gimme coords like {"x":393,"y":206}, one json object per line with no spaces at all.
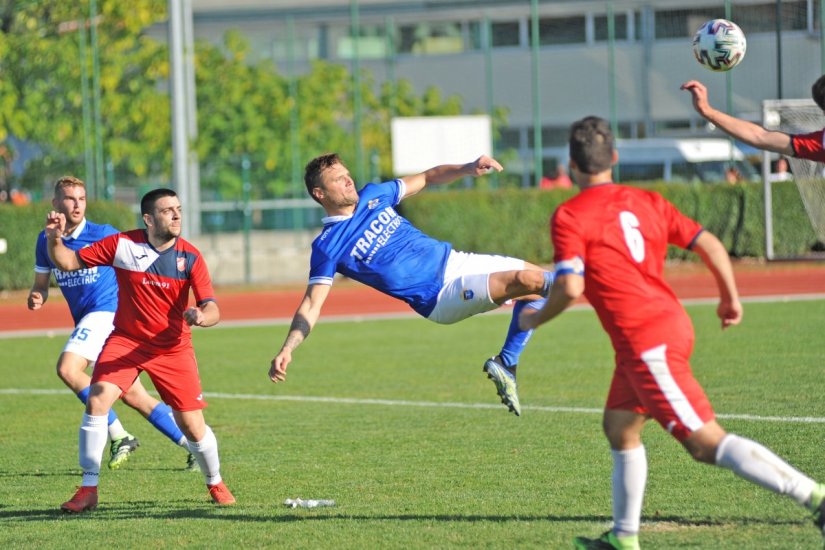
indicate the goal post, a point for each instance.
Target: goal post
{"x":803,"y":236}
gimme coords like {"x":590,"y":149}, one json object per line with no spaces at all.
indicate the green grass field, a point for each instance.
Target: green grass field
{"x":395,"y":421}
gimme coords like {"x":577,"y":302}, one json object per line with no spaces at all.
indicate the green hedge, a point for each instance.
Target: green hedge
{"x":516,"y":222}
{"x":20,"y":225}
{"x":512,"y":222}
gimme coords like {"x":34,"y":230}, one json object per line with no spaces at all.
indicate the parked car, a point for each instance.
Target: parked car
{"x":682,"y":160}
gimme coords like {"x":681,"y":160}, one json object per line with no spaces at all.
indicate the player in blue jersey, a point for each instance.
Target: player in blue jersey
{"x":365,"y":239}
{"x":92,"y":298}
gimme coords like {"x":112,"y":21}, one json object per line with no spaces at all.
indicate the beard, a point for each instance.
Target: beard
{"x":167,"y":234}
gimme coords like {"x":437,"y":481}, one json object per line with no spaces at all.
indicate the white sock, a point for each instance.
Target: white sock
{"x":116,"y":430}
{"x":92,"y":443}
{"x":754,"y":462}
{"x":629,"y":480}
{"x":206,"y":453}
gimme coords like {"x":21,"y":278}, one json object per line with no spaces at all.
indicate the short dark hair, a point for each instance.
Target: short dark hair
{"x":591,"y":145}
{"x":818,"y":92}
{"x":314,"y":168}
{"x":147,"y":203}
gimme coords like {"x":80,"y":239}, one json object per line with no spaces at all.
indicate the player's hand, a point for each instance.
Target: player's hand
{"x":193,"y":316}
{"x":35,"y":300}
{"x":277,"y":370}
{"x":484,"y":164}
{"x":55,"y":225}
{"x":699,"y":94}
{"x":730,"y":312}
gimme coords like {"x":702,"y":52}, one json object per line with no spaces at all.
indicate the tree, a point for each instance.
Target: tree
{"x":243,"y":109}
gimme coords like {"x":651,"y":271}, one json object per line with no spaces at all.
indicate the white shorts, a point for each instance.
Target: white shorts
{"x":90,"y":333}
{"x":466,"y":290}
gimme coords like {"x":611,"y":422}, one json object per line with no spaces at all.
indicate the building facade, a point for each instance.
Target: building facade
{"x":623,"y":60}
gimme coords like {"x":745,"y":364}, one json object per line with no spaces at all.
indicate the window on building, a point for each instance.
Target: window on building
{"x":505,"y":34}
{"x":751,"y":18}
{"x":306,"y":46}
{"x":600,"y":26}
{"x":762,"y":17}
{"x":510,"y":138}
{"x":684,"y":23}
{"x":371,"y":42}
{"x":561,"y":30}
{"x":432,"y":37}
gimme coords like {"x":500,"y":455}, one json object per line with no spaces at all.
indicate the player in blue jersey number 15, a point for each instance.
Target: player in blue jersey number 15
{"x":364,"y":238}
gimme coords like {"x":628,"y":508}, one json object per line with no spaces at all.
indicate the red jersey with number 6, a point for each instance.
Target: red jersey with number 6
{"x":153,"y":286}
{"x":617,"y":238}
{"x":809,"y":146}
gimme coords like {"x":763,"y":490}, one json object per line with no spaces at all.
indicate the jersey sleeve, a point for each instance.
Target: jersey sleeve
{"x":809,"y":146}
{"x":100,"y":253}
{"x":201,"y":282}
{"x":109,"y":230}
{"x":681,"y":230}
{"x":400,"y":191}
{"x":568,"y":243}
{"x":321,"y":268}
{"x":42,"y":263}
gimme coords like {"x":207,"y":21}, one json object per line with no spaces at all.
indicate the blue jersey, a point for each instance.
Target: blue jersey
{"x":85,"y":290}
{"x":378,"y":247}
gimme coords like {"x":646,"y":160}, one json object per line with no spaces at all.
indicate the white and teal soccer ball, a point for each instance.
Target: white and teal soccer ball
{"x":719,"y":45}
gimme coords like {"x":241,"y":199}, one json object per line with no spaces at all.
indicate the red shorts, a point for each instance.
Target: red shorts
{"x":173,"y":372}
{"x":658,"y":381}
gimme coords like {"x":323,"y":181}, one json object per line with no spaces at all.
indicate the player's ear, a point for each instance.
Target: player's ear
{"x":615,"y":157}
{"x":147,"y":220}
{"x":317,"y":193}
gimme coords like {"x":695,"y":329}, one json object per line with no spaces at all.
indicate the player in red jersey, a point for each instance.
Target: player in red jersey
{"x":155,"y":270}
{"x":610,"y":242}
{"x":809,"y":146}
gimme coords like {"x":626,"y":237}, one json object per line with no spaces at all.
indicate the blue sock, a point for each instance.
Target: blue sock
{"x":162,"y":419}
{"x":83,"y":395}
{"x":549,"y":277}
{"x":516,"y":339}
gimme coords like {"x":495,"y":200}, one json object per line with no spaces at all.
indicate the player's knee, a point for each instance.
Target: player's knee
{"x":702,"y":444}
{"x":101,"y":398}
{"x":703,"y":454}
{"x":65,"y":372}
{"x":531,"y":281}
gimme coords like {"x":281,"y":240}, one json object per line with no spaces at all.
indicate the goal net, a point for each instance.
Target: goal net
{"x":792,"y":231}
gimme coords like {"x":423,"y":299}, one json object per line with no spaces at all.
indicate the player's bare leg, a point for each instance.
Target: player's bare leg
{"x":527,"y":285}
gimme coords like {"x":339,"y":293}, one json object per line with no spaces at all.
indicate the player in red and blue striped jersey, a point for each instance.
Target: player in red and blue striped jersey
{"x":91,"y":295}
{"x":155,"y":270}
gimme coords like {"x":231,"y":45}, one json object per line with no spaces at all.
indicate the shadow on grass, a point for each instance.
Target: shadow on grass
{"x":149,"y":510}
{"x":65,"y":473}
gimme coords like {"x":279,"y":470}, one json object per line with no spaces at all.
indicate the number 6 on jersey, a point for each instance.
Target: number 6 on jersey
{"x":632,"y":236}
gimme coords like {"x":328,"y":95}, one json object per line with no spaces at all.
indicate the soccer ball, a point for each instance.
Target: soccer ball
{"x":719,"y":45}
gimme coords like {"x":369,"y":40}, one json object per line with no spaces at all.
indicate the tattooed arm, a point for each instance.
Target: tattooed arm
{"x":302,"y":323}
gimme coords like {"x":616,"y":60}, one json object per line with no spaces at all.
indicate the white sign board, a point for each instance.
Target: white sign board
{"x":419,"y":143}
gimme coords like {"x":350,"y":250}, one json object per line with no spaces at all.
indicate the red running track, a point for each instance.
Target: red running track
{"x":689,"y":281}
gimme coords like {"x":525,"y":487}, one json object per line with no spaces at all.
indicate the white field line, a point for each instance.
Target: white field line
{"x":429,"y":404}
{"x":275,"y":321}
